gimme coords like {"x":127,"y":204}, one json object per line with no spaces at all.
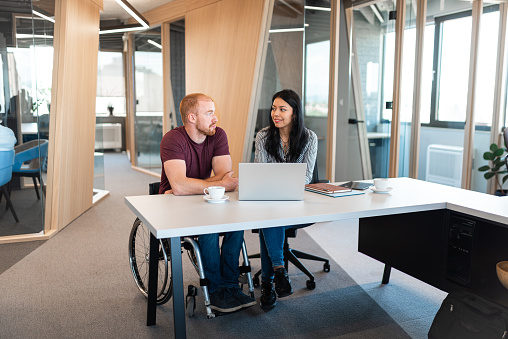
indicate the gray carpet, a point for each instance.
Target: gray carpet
{"x":78,"y":285}
{"x":29,"y":212}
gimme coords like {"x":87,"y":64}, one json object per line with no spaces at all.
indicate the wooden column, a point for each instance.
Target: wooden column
{"x":72,"y":124}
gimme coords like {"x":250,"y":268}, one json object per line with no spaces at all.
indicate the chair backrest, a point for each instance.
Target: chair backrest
{"x":29,"y":151}
{"x":153,"y":188}
{"x":315,"y":174}
{"x":6,"y":162}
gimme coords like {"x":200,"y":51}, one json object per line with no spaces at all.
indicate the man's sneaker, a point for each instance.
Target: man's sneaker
{"x":244,"y":299}
{"x":224,"y":301}
{"x":268,"y":297}
{"x":282,"y":283}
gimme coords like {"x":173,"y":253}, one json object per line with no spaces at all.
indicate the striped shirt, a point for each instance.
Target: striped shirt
{"x":308,"y":155}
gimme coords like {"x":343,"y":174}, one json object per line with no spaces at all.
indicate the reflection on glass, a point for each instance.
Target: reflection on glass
{"x":177,"y":57}
{"x":372,"y":59}
{"x":26,"y":64}
{"x":149,"y":99}
{"x":317,"y":75}
{"x":447,"y":47}
{"x":407,"y":88}
{"x":298,"y":58}
{"x":484,"y":96}
{"x":110,"y":84}
{"x":453,"y":80}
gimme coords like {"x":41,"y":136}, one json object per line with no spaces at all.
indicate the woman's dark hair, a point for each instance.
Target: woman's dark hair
{"x":297,"y":137}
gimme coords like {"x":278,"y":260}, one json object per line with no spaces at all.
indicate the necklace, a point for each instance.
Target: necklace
{"x":285,"y":145}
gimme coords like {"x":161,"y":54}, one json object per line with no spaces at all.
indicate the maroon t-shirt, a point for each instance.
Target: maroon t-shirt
{"x":176,"y":144}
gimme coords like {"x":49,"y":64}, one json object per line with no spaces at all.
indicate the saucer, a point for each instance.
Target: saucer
{"x":216,"y":201}
{"x":387,"y":190}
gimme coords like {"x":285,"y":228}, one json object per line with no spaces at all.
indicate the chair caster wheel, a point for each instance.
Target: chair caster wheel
{"x":190,"y":300}
{"x":326,"y":267}
{"x":311,"y":284}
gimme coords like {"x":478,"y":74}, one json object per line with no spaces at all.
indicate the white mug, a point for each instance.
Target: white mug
{"x":381,"y":184}
{"x":214,"y":192}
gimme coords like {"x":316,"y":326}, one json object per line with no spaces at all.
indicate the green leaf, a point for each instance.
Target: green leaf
{"x":488,"y":156}
{"x":496,"y":161}
{"x":499,"y":152}
{"x":493,"y":147}
{"x":505,"y":178}
{"x":484,"y":168}
{"x":488,"y":175}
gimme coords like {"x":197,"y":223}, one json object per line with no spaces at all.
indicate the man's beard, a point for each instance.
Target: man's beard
{"x":208,"y":132}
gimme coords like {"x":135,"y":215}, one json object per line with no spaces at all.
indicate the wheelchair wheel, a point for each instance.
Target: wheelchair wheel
{"x":139,"y":252}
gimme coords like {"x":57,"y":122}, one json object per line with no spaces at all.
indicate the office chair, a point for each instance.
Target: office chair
{"x":139,"y":248}
{"x":6,"y":162}
{"x":34,"y":153}
{"x":293,"y":255}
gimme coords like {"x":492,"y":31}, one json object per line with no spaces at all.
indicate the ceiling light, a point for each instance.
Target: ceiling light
{"x":286,"y":30}
{"x":33,"y":36}
{"x":121,"y":29}
{"x":133,"y":12}
{"x":318,"y":8}
{"x":154,"y":43}
{"x":43,"y":16}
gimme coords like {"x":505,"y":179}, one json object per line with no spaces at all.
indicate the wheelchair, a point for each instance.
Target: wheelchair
{"x":139,"y":252}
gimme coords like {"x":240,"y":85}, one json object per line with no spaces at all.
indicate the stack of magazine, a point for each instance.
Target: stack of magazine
{"x":331,"y":190}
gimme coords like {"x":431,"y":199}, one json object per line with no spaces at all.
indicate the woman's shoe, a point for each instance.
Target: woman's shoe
{"x":268,"y":297}
{"x":282,"y":283}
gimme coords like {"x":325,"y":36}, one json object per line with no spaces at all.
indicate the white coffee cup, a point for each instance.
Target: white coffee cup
{"x":214,"y":192}
{"x":381,"y":184}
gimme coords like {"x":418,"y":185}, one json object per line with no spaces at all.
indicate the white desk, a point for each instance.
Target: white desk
{"x":169,"y":216}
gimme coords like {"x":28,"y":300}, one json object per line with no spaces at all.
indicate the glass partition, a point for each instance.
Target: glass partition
{"x":484,"y":99}
{"x":149,"y":99}
{"x":26,"y":65}
{"x":317,"y":75}
{"x":372,"y":48}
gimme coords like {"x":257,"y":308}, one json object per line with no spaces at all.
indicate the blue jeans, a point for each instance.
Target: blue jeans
{"x":271,"y":249}
{"x":221,"y":265}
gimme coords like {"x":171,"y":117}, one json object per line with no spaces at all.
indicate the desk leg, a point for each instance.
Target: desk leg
{"x":386,"y":275}
{"x":178,"y":295}
{"x":153,"y":267}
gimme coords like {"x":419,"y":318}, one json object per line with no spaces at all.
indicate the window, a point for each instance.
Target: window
{"x":451,"y":70}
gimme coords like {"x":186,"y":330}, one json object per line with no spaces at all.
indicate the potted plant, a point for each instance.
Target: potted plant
{"x":110,"y":109}
{"x":498,"y":165}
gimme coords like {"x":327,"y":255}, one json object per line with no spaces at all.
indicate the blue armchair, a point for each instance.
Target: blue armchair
{"x":6,"y":162}
{"x":32,"y":153}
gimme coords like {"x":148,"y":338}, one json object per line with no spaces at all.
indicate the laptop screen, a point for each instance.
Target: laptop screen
{"x":271,"y":181}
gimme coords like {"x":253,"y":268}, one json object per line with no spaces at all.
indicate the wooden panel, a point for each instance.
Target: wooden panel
{"x":128,"y":58}
{"x":333,"y":94}
{"x":467,"y":159}
{"x":500,"y":87}
{"x":172,"y":11}
{"x":393,"y":171}
{"x":221,"y":49}
{"x":169,"y":12}
{"x":414,"y":152}
{"x":72,"y":124}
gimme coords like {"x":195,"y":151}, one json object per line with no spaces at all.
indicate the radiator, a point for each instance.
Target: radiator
{"x":444,"y":165}
{"x":111,"y":135}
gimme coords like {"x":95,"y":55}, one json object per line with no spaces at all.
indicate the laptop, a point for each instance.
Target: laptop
{"x":271,"y":181}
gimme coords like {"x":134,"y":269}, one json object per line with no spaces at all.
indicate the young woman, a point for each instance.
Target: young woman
{"x":286,"y":139}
